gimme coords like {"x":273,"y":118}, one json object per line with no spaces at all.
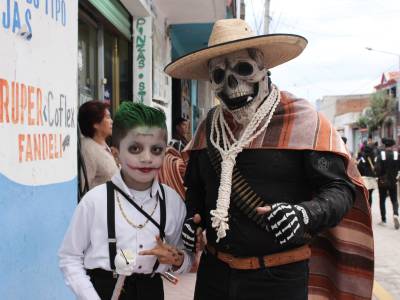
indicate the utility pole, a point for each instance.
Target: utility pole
{"x":238,"y":4}
{"x":266,"y":16}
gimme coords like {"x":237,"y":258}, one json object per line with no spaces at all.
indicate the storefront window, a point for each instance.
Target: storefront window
{"x":87,"y":62}
{"x":125,"y":68}
{"x":109,"y":41}
{"x":117,"y":70}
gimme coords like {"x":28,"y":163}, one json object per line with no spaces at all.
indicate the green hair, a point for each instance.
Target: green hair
{"x":135,"y":114}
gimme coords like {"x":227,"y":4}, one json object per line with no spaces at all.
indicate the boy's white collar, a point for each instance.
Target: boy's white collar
{"x":118,"y":181}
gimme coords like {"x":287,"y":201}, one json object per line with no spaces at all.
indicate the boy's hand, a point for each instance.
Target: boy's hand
{"x":192,"y":234}
{"x":165,"y":253}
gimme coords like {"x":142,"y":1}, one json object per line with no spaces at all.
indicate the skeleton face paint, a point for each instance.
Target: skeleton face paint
{"x":141,"y":154}
{"x":238,"y":79}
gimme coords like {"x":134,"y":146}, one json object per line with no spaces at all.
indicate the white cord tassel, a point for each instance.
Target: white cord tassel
{"x":229,"y":151}
{"x":220,"y":214}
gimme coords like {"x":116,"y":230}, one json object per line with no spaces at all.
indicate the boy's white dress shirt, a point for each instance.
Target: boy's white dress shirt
{"x":85,"y":244}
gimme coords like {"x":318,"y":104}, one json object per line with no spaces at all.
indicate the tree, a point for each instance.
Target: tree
{"x":382,"y":105}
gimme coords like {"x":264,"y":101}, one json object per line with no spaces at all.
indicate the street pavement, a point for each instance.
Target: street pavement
{"x":387,"y":261}
{"x":387,"y":253}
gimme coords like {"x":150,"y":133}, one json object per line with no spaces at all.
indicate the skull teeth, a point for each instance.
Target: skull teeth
{"x":249,"y":98}
{"x":240,"y":94}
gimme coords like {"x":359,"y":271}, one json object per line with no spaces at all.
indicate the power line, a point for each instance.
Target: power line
{"x":278,"y":22}
{"x":257,"y":26}
{"x":387,"y":70}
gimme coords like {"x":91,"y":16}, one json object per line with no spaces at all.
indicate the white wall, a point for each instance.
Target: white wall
{"x":38,"y":119}
{"x":327,"y":105}
{"x":162,"y":83}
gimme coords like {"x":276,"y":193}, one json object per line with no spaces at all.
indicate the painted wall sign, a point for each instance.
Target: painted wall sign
{"x":18,"y":16}
{"x":38,"y":89}
{"x":142,"y":60}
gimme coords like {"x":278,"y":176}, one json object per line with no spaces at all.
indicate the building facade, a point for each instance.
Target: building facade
{"x":390,"y":85}
{"x":344,"y":111}
{"x":38,"y":127}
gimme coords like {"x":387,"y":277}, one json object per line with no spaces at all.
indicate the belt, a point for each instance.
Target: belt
{"x":272,"y":260}
{"x":100,"y":273}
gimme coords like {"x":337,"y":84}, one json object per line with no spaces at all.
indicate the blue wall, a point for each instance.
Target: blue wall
{"x":186,"y":38}
{"x":33,"y":221}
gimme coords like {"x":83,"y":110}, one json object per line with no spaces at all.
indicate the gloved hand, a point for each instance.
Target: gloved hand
{"x":287,"y":222}
{"x":192,"y":235}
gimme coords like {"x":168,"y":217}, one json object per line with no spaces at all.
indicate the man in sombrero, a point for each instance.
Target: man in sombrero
{"x":282,"y":203}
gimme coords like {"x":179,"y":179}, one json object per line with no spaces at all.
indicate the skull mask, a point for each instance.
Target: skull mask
{"x":239,"y":80}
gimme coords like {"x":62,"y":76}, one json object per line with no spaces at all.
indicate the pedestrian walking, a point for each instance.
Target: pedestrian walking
{"x":366,"y":166}
{"x":387,"y":168}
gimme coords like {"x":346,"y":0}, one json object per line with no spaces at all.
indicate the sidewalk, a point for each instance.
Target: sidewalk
{"x":387,"y":261}
{"x":184,"y":290}
{"x":387,"y":250}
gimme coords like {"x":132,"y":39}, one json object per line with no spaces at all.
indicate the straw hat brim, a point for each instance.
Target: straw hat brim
{"x":277,"y":49}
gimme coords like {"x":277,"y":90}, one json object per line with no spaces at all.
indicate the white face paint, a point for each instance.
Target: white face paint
{"x":141,"y":154}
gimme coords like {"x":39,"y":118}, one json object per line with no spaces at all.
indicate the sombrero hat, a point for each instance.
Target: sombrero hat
{"x":230,"y":35}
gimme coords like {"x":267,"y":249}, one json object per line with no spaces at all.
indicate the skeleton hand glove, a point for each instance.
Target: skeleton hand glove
{"x":287,"y":222}
{"x":189,"y":235}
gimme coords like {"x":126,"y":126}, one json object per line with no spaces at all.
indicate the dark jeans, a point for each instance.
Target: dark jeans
{"x":136,"y":287}
{"x":217,"y":281}
{"x":393,"y":197}
{"x":370,"y":197}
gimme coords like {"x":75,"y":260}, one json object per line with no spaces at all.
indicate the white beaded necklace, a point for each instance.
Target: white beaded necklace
{"x":231,"y":147}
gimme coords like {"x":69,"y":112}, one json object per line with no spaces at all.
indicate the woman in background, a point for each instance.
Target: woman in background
{"x":95,"y":124}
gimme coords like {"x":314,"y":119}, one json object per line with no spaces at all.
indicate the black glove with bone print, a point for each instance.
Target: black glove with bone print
{"x":288,"y":223}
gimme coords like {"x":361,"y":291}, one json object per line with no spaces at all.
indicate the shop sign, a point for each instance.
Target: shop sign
{"x":18,"y":16}
{"x":38,"y":91}
{"x":142,"y":60}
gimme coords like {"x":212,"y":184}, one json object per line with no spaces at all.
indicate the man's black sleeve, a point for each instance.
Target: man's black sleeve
{"x":333,"y":191}
{"x":195,"y":192}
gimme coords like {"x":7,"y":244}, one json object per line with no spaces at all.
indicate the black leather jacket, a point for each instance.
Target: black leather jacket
{"x":317,"y":180}
{"x":366,"y":161}
{"x":387,"y":167}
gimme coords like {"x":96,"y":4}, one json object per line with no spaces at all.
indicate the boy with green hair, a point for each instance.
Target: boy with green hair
{"x":130,"y":227}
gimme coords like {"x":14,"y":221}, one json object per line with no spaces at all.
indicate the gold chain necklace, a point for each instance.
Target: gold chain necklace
{"x":139,"y":226}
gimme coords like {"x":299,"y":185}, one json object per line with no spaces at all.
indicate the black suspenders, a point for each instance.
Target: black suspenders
{"x":112,"y":242}
{"x":162,"y":222}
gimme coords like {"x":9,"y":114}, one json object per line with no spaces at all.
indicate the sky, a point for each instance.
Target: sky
{"x":335,"y":61}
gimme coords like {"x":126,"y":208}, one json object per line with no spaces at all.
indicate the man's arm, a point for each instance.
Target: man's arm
{"x":195,"y":192}
{"x":195,"y":197}
{"x":334,"y":192}
{"x":332,"y":197}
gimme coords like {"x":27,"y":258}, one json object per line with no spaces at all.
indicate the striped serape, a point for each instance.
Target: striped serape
{"x":342,"y":261}
{"x":173,"y":170}
{"x":171,"y":174}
